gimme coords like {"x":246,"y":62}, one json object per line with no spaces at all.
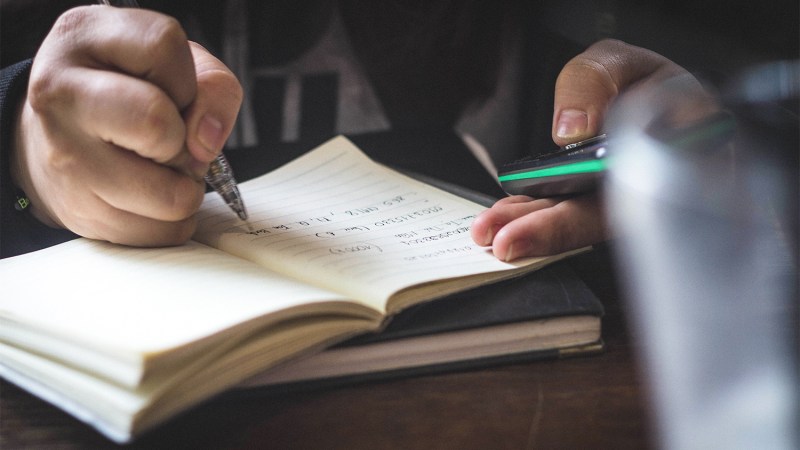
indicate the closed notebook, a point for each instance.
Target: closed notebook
{"x":550,"y":313}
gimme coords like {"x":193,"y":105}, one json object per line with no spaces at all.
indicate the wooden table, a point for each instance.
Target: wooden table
{"x":586,"y":402}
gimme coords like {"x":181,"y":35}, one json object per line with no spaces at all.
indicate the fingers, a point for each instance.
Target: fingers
{"x":100,"y":145}
{"x":122,"y":227}
{"x":138,"y":42}
{"x":121,"y":110}
{"x":585,"y":89}
{"x":212,"y":115}
{"x":486,"y":225}
{"x":127,"y":74}
{"x":590,"y":82}
{"x":520,"y":226}
{"x":144,"y":189}
{"x":101,"y":191}
{"x":72,"y":166}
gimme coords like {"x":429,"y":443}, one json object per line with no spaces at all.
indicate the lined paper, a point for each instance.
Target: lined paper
{"x":344,"y":222}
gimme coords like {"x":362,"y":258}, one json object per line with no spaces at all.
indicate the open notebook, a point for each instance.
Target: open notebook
{"x":336,"y":245}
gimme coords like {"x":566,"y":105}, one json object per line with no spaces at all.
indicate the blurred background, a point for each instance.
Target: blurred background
{"x":710,"y":259}
{"x":714,"y":39}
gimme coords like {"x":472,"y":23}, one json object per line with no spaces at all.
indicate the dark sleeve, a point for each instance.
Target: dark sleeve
{"x":19,"y":231}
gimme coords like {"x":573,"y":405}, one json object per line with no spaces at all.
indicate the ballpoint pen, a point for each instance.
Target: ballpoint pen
{"x":219,"y":175}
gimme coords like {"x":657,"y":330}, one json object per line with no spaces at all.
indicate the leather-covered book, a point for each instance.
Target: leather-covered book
{"x":547,"y":314}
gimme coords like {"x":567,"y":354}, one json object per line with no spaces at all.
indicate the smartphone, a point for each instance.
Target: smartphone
{"x":573,"y":169}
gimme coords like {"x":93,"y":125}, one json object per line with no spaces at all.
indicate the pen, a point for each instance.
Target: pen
{"x":580,"y":167}
{"x":575,"y":168}
{"x":219,"y":175}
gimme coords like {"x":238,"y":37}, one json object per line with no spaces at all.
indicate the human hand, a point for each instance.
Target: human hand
{"x":122,"y":117}
{"x":520,"y":226}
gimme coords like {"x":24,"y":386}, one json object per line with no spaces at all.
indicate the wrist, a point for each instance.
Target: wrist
{"x":19,"y":165}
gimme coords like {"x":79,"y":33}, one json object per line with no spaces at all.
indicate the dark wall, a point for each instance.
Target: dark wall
{"x":710,"y":35}
{"x":713,"y":38}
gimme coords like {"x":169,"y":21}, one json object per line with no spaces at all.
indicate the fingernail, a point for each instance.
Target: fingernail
{"x":518,"y":249}
{"x":572,"y":123}
{"x":209,"y":133}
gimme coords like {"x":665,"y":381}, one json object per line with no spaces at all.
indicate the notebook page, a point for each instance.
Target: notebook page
{"x":110,"y":308}
{"x":343,"y":222}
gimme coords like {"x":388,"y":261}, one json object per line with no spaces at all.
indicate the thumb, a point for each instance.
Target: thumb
{"x":589,"y":83}
{"x":212,"y":114}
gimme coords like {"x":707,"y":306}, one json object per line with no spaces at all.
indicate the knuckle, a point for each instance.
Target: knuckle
{"x":567,"y":234}
{"x":236,"y":92}
{"x":82,"y":218}
{"x":542,"y":243}
{"x":225,"y":83}
{"x":164,"y":135}
{"x":40,"y":90}
{"x":72,"y":20}
{"x":163,"y":37}
{"x":558,"y":242}
{"x":61,"y":160}
{"x":48,"y":84}
{"x":589,"y":69}
{"x":185,"y":199}
{"x":611,"y":44}
{"x":45,"y":91}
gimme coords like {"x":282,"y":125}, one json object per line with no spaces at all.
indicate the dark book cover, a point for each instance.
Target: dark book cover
{"x":552,"y":292}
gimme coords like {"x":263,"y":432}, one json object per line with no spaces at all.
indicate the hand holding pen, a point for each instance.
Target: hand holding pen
{"x":121,"y":121}
{"x":220,"y":175}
